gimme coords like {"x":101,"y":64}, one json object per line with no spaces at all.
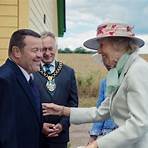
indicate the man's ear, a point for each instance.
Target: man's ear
{"x":16,"y":52}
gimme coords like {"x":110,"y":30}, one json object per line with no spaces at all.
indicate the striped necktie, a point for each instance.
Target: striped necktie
{"x":47,"y":68}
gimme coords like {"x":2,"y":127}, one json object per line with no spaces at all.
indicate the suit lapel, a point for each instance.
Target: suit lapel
{"x":24,"y":85}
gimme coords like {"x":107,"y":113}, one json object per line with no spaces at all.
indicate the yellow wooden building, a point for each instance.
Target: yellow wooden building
{"x":39,"y":15}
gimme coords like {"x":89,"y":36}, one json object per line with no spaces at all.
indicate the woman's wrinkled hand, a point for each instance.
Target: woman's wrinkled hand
{"x":52,"y":109}
{"x":91,"y":145}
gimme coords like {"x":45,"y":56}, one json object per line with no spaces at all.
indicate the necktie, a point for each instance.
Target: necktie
{"x":35,"y":92}
{"x":47,"y":68}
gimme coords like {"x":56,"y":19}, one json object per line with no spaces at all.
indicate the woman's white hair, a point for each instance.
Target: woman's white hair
{"x":123,"y":43}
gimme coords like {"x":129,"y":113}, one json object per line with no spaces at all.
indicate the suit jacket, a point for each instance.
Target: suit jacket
{"x":20,"y":125}
{"x":64,"y":94}
{"x":127,"y":106}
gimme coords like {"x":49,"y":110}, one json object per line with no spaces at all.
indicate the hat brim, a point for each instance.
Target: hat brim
{"x":94,"y":42}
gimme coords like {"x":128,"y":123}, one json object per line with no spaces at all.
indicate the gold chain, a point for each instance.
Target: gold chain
{"x":54,"y":74}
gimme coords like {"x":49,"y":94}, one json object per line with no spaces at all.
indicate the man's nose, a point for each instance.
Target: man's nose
{"x":48,"y":52}
{"x":40,"y":54}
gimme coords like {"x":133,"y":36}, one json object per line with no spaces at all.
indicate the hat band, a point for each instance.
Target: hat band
{"x":106,"y":31}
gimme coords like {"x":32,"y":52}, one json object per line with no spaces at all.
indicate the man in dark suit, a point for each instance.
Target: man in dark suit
{"x":20,"y":116}
{"x":57,"y":84}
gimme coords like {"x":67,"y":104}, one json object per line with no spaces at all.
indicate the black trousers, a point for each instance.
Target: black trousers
{"x":55,"y":145}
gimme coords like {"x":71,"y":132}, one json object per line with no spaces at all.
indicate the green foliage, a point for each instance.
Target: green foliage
{"x":66,"y":50}
{"x":79,"y":50}
{"x":82,"y":50}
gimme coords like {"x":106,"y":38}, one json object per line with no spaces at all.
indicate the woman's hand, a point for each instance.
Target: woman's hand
{"x":52,"y":109}
{"x":92,"y":145}
{"x":91,"y":139}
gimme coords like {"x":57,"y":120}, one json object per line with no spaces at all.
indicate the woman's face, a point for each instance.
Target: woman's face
{"x":110,"y":56}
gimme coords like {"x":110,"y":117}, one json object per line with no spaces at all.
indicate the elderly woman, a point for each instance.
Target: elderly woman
{"x":127,"y":90}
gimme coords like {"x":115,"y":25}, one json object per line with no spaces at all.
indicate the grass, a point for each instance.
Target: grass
{"x":83,"y":64}
{"x":87,"y":102}
{"x":88,"y":73}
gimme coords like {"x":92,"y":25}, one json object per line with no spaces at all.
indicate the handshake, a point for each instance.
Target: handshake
{"x":54,"y":109}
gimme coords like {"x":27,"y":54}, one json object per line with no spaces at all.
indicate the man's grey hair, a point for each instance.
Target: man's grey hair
{"x":49,"y":34}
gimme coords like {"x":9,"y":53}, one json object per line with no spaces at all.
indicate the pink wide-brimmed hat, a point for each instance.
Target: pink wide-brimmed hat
{"x":113,"y":30}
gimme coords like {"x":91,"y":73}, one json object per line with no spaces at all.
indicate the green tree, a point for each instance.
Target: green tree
{"x":60,"y":50}
{"x":80,"y":50}
{"x":67,"y":50}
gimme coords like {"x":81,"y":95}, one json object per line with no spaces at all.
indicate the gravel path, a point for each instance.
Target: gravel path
{"x":79,"y":135}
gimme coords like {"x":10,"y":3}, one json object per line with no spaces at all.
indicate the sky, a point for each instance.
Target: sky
{"x":83,"y":17}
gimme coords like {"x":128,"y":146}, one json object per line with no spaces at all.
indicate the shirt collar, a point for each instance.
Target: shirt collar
{"x":25,"y":73}
{"x":27,"y":76}
{"x":52,"y":67}
{"x":52,"y":63}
